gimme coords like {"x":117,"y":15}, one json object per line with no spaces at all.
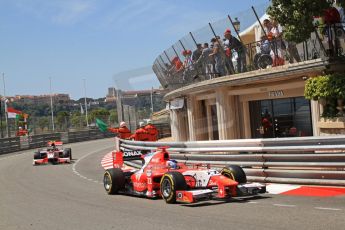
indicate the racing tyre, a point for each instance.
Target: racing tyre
{"x":67,"y":153}
{"x":37,"y":155}
{"x":170,"y":183}
{"x":113,"y":180}
{"x":235,"y":172}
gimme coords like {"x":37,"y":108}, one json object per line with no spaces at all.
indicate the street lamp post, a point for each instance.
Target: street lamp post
{"x":86,"y":116}
{"x":5,"y":106}
{"x":1,"y":131}
{"x":51,"y":103}
{"x":237,"y":24}
{"x":151,"y":102}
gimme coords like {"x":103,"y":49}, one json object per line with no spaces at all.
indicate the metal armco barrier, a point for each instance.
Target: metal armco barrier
{"x":9,"y":145}
{"x":15,"y":144}
{"x":303,"y":160}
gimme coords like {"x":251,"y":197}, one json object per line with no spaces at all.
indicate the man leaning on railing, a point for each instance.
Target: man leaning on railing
{"x":232,"y":43}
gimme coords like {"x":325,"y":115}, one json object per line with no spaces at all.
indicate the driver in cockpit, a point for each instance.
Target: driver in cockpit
{"x":172,"y":164}
{"x":53,"y":147}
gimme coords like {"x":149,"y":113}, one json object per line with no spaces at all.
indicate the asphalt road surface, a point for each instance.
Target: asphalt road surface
{"x":72,"y":196}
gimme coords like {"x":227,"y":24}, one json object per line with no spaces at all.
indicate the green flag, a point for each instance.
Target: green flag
{"x":101,"y":125}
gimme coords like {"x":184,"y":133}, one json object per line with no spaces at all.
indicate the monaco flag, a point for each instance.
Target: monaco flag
{"x":12,"y":113}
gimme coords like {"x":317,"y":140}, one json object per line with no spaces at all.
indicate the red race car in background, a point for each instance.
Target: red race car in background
{"x":54,"y":154}
{"x":175,"y":182}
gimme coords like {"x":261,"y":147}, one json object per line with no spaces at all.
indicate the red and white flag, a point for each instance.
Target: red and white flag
{"x":12,"y":113}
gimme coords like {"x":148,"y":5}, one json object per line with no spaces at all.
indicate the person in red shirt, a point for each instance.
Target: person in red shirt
{"x":152,"y":130}
{"x":177,"y":64}
{"x":140,"y":134}
{"x":22,"y":132}
{"x":123,"y":131}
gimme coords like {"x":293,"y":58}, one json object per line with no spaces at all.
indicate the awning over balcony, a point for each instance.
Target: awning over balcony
{"x":253,"y":33}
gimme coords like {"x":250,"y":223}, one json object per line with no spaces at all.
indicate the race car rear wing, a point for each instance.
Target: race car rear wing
{"x":127,"y":154}
{"x":130,"y":155}
{"x":119,"y":157}
{"x":56,"y":143}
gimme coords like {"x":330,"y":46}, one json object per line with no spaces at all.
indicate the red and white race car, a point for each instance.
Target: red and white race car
{"x":175,"y":182}
{"x":54,"y":153}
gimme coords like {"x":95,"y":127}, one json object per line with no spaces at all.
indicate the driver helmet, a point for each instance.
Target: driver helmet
{"x":52,"y":146}
{"x":172,"y":164}
{"x":122,"y":124}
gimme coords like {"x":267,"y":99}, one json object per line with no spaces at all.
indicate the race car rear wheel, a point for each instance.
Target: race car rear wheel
{"x":170,"y":183}
{"x":113,"y":180}
{"x":234,"y":172}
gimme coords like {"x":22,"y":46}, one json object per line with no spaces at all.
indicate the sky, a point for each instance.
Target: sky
{"x":101,"y":41}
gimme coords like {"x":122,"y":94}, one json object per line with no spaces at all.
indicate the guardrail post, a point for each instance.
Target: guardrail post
{"x":64,"y":137}
{"x":117,"y":144}
{"x":24,"y":142}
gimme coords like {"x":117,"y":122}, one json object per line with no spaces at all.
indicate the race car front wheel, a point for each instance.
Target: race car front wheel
{"x":170,"y":183}
{"x":67,"y":153}
{"x":113,"y":180}
{"x":234,"y":172}
{"x":37,"y":155}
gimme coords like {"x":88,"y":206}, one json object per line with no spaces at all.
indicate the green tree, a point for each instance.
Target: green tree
{"x":296,"y":16}
{"x":77,"y":120}
{"x":100,"y":113}
{"x":62,"y":119}
{"x":43,"y":123}
{"x":113,"y":116}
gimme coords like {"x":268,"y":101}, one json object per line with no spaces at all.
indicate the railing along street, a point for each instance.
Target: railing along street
{"x":15,"y":144}
{"x":301,"y":160}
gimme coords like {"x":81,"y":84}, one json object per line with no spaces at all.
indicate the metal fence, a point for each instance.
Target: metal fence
{"x":303,"y":160}
{"x":175,"y":69}
{"x":37,"y":125}
{"x":15,"y":144}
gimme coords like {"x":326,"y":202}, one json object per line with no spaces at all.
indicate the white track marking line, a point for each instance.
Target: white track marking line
{"x":77,"y":162}
{"x":329,"y":209}
{"x":280,"y":188}
{"x":285,"y":205}
{"x":252,"y":202}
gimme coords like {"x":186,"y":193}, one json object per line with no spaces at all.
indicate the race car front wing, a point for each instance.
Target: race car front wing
{"x":242,"y":190}
{"x":50,"y":160}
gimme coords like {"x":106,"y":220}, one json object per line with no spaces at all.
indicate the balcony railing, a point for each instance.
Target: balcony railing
{"x":176,"y":68}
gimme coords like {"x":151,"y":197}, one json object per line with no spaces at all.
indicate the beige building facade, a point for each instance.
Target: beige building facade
{"x":257,"y":104}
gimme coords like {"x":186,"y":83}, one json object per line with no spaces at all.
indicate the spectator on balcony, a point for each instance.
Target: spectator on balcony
{"x":219,"y":60}
{"x":274,"y":33}
{"x":206,"y":61}
{"x":197,"y":53}
{"x":176,"y":69}
{"x":267,"y":26}
{"x":187,"y":58}
{"x":278,"y":43}
{"x":233,"y":43}
{"x":263,"y":58}
{"x":177,"y":65}
{"x":195,"y":56}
